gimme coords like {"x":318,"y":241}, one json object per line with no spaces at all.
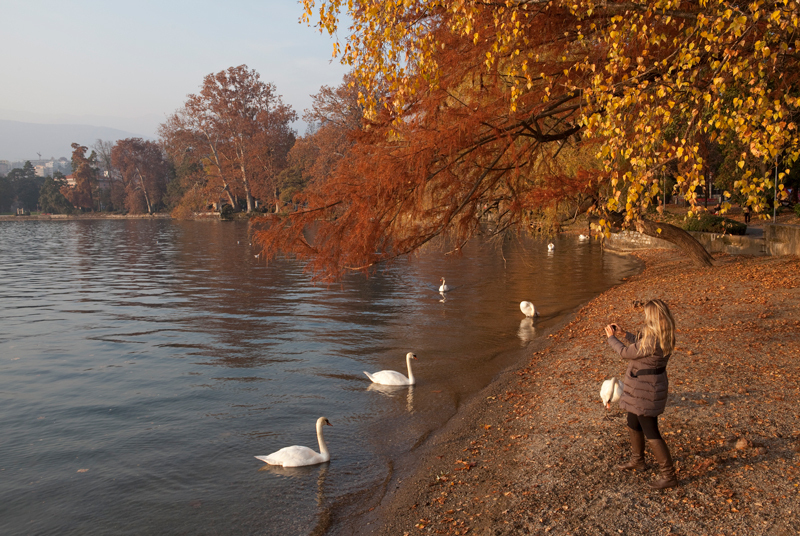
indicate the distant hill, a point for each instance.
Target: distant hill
{"x":21,"y":141}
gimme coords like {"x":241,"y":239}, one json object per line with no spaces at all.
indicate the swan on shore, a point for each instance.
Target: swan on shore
{"x":391,"y":377}
{"x":611,"y":392}
{"x":296,"y":456}
{"x":443,"y":287}
{"x":528,"y":309}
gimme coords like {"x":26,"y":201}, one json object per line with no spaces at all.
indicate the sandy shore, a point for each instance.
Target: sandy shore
{"x":532,"y":454}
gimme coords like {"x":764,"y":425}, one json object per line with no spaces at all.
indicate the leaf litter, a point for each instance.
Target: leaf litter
{"x":533,"y":454}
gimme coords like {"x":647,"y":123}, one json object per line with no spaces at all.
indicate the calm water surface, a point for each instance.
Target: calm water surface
{"x":144,"y":363}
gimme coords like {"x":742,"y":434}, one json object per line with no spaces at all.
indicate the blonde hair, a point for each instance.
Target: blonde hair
{"x":659,"y":328}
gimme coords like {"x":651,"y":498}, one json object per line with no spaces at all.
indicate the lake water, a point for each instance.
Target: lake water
{"x":144,"y":363}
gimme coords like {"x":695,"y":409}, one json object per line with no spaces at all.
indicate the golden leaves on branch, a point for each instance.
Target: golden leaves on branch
{"x":720,"y":80}
{"x":655,"y":77}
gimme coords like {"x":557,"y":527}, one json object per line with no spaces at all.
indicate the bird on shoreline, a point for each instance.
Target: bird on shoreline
{"x":528,"y":309}
{"x":610,"y":392}
{"x":297,"y":456}
{"x":391,"y":377}
{"x":443,"y":287}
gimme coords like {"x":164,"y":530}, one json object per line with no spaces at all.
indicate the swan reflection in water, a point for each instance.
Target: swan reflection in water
{"x":444,"y":297}
{"x":304,"y":472}
{"x":527,"y":330}
{"x":395,"y":391}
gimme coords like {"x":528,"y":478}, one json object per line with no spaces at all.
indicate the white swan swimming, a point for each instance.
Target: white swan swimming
{"x":611,"y":391}
{"x":551,"y":246}
{"x":443,"y":287}
{"x":390,"y":377}
{"x":296,"y":456}
{"x":583,"y":237}
{"x":528,"y":309}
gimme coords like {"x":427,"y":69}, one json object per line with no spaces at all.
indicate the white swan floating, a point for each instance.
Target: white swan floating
{"x":551,"y":246}
{"x":443,"y":287}
{"x":583,"y":237}
{"x":528,"y":309}
{"x":611,"y":391}
{"x":296,"y":456}
{"x":390,"y":377}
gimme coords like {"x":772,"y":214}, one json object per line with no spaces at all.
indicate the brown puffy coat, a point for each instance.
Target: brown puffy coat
{"x":645,"y":395}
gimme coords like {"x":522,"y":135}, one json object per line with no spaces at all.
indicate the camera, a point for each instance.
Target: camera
{"x":616,"y":327}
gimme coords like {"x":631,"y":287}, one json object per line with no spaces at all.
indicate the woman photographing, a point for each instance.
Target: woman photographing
{"x":646,"y":387}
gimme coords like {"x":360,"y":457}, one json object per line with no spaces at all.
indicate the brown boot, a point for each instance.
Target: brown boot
{"x":665,"y":467}
{"x":636,"y":463}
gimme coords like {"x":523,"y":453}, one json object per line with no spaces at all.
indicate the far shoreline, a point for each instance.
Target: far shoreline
{"x":89,"y":216}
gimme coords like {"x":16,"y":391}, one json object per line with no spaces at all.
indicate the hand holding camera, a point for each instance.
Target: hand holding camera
{"x":611,"y":329}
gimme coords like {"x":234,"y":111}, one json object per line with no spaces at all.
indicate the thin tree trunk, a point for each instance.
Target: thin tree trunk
{"x":144,"y":189}
{"x":225,"y":186}
{"x":248,"y":195}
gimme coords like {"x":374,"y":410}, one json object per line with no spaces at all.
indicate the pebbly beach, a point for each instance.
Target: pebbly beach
{"x":534,"y":453}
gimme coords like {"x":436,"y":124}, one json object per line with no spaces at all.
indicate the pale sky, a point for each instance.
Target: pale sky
{"x":128,"y":65}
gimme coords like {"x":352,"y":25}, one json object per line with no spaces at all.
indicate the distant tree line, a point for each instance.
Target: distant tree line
{"x":130,"y":176}
{"x":226,"y":149}
{"x":229,"y":148}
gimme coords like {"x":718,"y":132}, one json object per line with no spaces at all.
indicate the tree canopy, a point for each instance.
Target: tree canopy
{"x":238,"y":129}
{"x":144,"y":173}
{"x":50,"y":197}
{"x":85,"y":174}
{"x":23,"y":187}
{"x":510,"y":108}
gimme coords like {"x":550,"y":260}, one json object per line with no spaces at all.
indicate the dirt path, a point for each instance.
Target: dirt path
{"x":533,"y":454}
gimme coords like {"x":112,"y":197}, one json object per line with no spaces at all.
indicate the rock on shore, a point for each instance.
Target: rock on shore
{"x":532,"y":454}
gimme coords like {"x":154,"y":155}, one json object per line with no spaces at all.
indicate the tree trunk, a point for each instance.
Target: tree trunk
{"x":248,"y":194}
{"x":686,"y":242}
{"x":144,"y":189}
{"x":665,"y":231}
{"x":225,"y":188}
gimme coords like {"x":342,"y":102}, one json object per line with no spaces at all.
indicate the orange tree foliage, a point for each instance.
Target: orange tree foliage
{"x":238,"y":129}
{"x":85,"y":175}
{"x":334,"y":117}
{"x":519,"y":105}
{"x":144,"y":172}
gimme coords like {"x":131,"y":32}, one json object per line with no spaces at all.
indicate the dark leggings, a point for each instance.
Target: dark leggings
{"x":647,"y":424}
